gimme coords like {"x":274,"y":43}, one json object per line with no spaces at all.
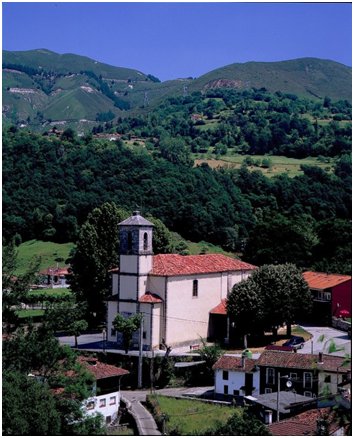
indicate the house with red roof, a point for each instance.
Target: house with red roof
{"x":314,"y":422}
{"x":332,"y":295}
{"x":175,"y":293}
{"x":105,"y":398}
{"x":236,"y":376}
{"x":56,"y":277}
{"x":306,"y":374}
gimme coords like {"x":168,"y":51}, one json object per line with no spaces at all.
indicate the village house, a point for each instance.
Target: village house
{"x":236,"y":376}
{"x":105,"y":399}
{"x":331,"y":294}
{"x":174,"y":293}
{"x":307,"y":374}
{"x":56,"y":277}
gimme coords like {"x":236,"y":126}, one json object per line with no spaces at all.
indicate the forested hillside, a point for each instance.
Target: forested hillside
{"x":51,"y":183}
{"x":248,"y":122}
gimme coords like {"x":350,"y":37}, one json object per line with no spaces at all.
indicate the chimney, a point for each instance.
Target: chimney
{"x":320,"y":357}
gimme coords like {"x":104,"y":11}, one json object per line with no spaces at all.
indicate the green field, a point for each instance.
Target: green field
{"x":202,"y":247}
{"x":49,"y":252}
{"x":279,"y":164}
{"x":190,"y":416}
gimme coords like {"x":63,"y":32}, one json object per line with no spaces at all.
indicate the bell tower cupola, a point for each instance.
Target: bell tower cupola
{"x":135,"y":234}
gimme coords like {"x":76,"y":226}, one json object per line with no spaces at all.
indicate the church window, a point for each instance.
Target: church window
{"x":195,"y":288}
{"x":145,"y":241}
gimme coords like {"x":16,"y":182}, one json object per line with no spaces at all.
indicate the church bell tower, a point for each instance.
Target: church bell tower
{"x":135,"y":256}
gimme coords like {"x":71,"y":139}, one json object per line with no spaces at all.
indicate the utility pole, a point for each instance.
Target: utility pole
{"x":278,"y":396}
{"x":140,"y":364}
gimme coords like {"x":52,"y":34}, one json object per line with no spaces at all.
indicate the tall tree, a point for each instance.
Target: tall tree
{"x":271,"y":296}
{"x":95,"y":254}
{"x":246,"y":309}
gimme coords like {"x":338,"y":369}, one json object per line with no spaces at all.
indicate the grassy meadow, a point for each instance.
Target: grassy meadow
{"x":50,"y":254}
{"x":279,"y":164}
{"x":192,"y":415}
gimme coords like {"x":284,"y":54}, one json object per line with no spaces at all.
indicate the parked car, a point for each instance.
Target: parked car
{"x":295,"y":342}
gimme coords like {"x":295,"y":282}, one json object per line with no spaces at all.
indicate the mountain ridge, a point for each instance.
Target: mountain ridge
{"x":41,"y":86}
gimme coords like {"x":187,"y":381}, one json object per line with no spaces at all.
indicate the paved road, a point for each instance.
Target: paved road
{"x":321,"y":340}
{"x":144,"y":420}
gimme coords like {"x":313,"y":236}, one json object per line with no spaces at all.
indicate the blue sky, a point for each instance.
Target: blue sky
{"x":172,"y":40}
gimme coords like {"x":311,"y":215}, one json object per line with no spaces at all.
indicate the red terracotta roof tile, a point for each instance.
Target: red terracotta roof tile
{"x":304,"y":423}
{"x":220,"y":309}
{"x":150,"y":298}
{"x":321,"y":280}
{"x":101,"y":370}
{"x":175,"y":264}
{"x":283,"y":359}
{"x":234,"y":363}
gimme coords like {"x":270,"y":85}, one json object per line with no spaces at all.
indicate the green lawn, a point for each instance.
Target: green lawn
{"x":47,"y":251}
{"x":195,"y":248}
{"x":192,"y":415}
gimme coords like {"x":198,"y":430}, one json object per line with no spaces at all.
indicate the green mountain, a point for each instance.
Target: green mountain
{"x":305,"y":77}
{"x":43,"y":88}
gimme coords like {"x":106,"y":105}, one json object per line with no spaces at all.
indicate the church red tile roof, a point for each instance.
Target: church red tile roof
{"x":234,"y":363}
{"x":175,"y":264}
{"x":321,"y":280}
{"x":101,"y":370}
{"x":150,"y":298}
{"x":220,"y":309}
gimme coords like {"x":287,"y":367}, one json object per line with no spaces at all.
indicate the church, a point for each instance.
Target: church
{"x":179,"y":296}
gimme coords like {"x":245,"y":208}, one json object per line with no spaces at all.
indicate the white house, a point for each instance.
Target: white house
{"x":174,"y":293}
{"x":236,"y":376}
{"x":105,"y":398}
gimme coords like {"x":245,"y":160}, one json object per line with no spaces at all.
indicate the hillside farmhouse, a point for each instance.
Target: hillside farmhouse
{"x":176,"y":294}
